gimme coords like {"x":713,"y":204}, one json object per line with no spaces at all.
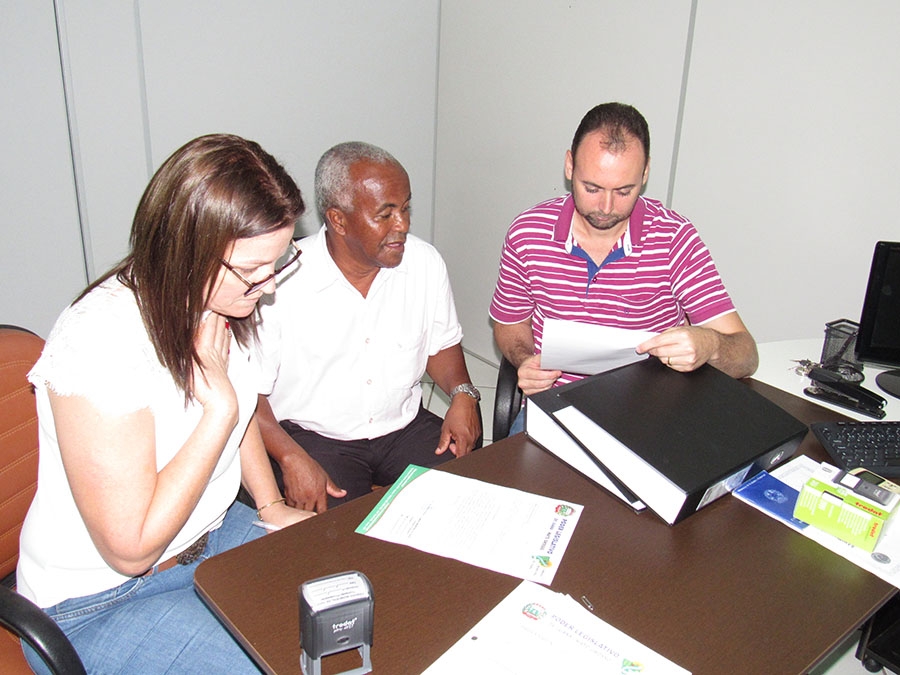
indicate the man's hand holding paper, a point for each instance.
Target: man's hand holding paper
{"x":588,"y":349}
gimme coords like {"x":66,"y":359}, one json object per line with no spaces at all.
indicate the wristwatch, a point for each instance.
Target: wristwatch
{"x":466,"y":388}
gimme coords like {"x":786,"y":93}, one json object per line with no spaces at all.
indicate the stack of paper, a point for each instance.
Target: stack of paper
{"x":534,"y":630}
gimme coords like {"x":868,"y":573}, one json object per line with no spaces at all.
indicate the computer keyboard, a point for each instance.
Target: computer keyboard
{"x":872,"y":445}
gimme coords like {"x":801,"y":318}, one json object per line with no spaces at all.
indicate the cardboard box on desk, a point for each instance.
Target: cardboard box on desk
{"x":852,"y":509}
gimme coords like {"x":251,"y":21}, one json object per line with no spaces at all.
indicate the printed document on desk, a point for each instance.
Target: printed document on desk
{"x":535,"y":630}
{"x":883,"y":562}
{"x":588,"y":349}
{"x":498,"y":528}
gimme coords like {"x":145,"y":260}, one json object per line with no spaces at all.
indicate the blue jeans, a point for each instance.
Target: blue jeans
{"x":157,"y":623}
{"x":518,"y":424}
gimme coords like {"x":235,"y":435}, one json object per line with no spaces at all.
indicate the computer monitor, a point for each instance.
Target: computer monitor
{"x":878,"y":340}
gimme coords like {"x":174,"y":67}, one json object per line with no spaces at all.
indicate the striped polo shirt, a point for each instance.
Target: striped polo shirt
{"x":659,"y":274}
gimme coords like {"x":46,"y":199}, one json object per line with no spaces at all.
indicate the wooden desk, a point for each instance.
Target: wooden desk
{"x":726,"y":590}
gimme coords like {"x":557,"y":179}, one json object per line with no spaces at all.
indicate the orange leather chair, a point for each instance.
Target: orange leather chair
{"x":21,"y":618}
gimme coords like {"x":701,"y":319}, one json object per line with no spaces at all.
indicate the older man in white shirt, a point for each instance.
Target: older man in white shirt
{"x":351,"y":334}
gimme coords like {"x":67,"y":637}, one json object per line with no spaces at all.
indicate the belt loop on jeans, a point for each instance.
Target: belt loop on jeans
{"x":186,"y":557}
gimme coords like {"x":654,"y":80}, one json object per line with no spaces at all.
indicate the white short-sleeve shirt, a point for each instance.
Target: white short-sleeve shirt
{"x":99,"y":349}
{"x":347,"y":366}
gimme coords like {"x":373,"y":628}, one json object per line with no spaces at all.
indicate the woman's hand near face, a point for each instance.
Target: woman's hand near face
{"x":212,"y":388}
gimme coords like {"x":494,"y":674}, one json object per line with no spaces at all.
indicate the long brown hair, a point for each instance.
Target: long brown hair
{"x":210,"y":192}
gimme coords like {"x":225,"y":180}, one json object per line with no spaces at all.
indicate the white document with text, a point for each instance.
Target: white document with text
{"x":535,"y":630}
{"x":491,"y":526}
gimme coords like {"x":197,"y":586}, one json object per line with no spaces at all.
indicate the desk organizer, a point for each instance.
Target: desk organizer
{"x":839,"y":350}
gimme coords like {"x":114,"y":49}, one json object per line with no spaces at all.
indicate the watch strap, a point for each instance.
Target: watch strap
{"x":466,"y":388}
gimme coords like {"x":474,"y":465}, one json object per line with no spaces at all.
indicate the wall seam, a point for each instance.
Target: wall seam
{"x":142,"y":86}
{"x":74,"y":148}
{"x":434,"y":130}
{"x":682,"y":96}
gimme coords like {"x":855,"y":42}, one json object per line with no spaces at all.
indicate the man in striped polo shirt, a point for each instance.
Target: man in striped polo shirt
{"x":604,"y":254}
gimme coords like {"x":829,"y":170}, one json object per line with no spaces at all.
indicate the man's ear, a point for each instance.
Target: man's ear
{"x":335,"y":220}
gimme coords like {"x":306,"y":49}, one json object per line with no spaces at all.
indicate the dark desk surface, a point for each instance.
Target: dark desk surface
{"x":726,"y":590}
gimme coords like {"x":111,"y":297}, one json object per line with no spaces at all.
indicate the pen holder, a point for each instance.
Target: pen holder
{"x":839,"y":350}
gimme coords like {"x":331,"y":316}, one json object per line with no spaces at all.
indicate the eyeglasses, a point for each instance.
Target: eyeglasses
{"x":290,"y":257}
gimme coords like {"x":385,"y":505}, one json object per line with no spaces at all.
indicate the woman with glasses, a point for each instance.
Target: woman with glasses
{"x":145,"y":391}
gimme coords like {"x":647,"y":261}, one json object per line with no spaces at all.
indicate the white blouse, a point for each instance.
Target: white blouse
{"x":99,"y":349}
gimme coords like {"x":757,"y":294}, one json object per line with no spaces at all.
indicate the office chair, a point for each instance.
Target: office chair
{"x":507,"y":400}
{"x":21,"y":618}
{"x":879,"y":644}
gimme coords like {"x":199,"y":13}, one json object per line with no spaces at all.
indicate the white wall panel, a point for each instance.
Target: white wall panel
{"x":41,"y":262}
{"x":786,"y":159}
{"x":101,"y":54}
{"x":297,"y":76}
{"x":516,"y":77}
{"x":788,"y":153}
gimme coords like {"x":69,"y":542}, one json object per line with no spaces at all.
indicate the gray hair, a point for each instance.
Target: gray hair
{"x":332,"y":183}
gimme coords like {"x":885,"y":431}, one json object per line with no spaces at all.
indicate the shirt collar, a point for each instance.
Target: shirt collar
{"x":324,"y":271}
{"x":321,"y":270}
{"x":562,"y":230}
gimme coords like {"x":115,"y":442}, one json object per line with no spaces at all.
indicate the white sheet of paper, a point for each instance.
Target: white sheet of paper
{"x":883,"y":562}
{"x":490,"y":526}
{"x":586,"y":349}
{"x":535,"y":630}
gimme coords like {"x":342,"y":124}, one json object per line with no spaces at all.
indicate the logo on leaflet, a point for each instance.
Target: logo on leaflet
{"x":534,"y":611}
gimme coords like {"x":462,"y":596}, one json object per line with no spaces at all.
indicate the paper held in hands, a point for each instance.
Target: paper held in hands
{"x":587,"y":349}
{"x":490,"y":526}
